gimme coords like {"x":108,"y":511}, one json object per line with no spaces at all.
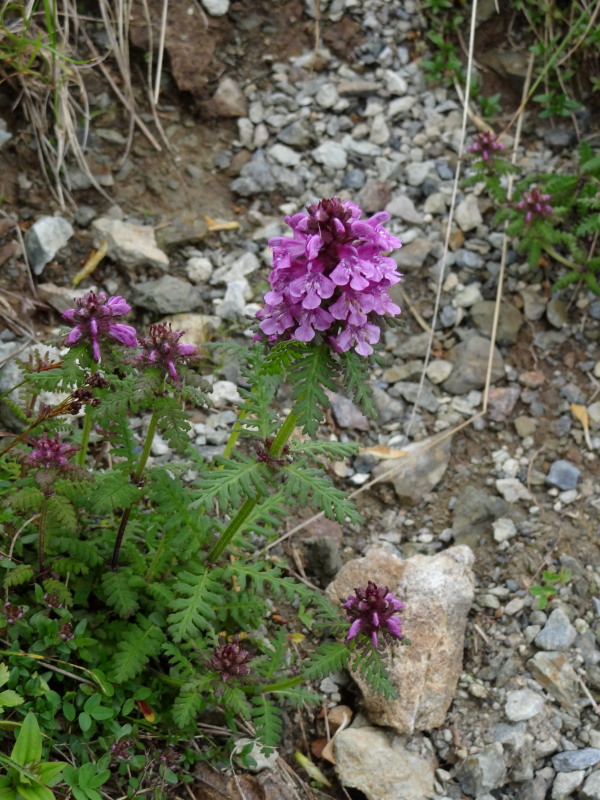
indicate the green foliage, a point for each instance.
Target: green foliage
{"x":27,"y":777}
{"x":197,"y":593}
{"x":370,"y":665}
{"x":113,"y":654}
{"x":552,"y":581}
{"x":138,"y":642}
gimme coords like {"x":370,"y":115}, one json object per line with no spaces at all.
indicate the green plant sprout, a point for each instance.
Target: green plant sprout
{"x":551,"y":582}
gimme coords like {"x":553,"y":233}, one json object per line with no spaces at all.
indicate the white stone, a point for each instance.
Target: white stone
{"x":331,"y":154}
{"x":565,"y":784}
{"x":512,"y":490}
{"x":216,"y":8}
{"x":468,"y":296}
{"x":468,"y":215}
{"x":504,"y":528}
{"x":394,"y":83}
{"x":159,"y":446}
{"x":327,"y":96}
{"x":401,"y":106}
{"x":130,"y":244}
{"x":44,"y":239}
{"x":523,"y":704}
{"x":199,"y":269}
{"x":438,"y":370}
{"x":224,"y":393}
{"x":284,"y":155}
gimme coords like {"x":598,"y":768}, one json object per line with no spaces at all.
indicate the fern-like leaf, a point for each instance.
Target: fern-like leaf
{"x":188,"y":704}
{"x":21,"y":574}
{"x":112,"y":491}
{"x":231,"y":483}
{"x":310,"y":375}
{"x":356,"y":381}
{"x":120,"y":590}
{"x":138,"y":643}
{"x":266,"y":718}
{"x":369,"y":663}
{"x":172,"y":423}
{"x":330,"y":657}
{"x":306,"y":483}
{"x":198,"y":593}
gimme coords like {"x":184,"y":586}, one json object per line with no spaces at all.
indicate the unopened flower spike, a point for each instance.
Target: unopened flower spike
{"x":330,"y":280}
{"x":230,"y":661}
{"x":93,"y":319}
{"x":372,"y":611}
{"x":485,"y":145}
{"x":162,"y":348}
{"x":535,"y":205}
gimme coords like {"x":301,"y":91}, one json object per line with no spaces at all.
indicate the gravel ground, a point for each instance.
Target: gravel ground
{"x":518,"y":485}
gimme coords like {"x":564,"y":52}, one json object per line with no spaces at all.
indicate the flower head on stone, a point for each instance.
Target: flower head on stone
{"x":230,"y":661}
{"x":372,"y":611}
{"x":93,"y":319}
{"x":162,"y":348}
{"x":535,"y":205}
{"x":485,"y":145}
{"x":330,"y":280}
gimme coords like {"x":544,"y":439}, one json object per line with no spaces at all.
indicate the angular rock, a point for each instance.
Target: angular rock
{"x":58,"y":297}
{"x":439,"y":588}
{"x":229,"y":100}
{"x":382,"y":766}
{"x":468,"y":215}
{"x":410,"y":392}
{"x":470,"y":360}
{"x":563,"y":475}
{"x":512,"y":490}
{"x":501,"y":401}
{"x":557,"y":633}
{"x":129,"y":244}
{"x":591,"y":787}
{"x":167,"y":295}
{"x":216,"y":8}
{"x":420,"y":470}
{"x":346,"y":413}
{"x":413,"y":255}
{"x":523,"y":704}
{"x":509,"y":322}
{"x":44,"y":239}
{"x":331,"y":155}
{"x":554,"y":673}
{"x":483,"y":771}
{"x":571,"y":760}
{"x":565,"y":784}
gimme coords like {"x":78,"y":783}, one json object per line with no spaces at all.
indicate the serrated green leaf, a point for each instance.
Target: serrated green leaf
{"x":10,"y":698}
{"x":138,"y":643}
{"x":193,"y":610}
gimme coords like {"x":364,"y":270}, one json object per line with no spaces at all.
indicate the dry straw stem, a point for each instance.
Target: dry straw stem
{"x":451,"y":431}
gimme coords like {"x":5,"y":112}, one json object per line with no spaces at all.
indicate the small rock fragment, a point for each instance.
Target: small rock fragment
{"x":420,"y":470}
{"x":130,"y":244}
{"x":572,"y":760}
{"x":523,"y":704}
{"x":483,"y":771}
{"x":563,"y":475}
{"x":44,"y":239}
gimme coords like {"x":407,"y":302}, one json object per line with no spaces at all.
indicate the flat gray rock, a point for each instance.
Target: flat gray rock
{"x":470,"y":359}
{"x":44,"y":239}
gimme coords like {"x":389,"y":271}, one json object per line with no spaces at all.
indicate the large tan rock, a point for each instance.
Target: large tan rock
{"x":384,"y":766}
{"x":438,"y":592}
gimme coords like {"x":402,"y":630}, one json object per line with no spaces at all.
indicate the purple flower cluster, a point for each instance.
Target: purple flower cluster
{"x":534,"y":204}
{"x":486,"y":143}
{"x":93,"y":319}
{"x":50,"y":454}
{"x":161,"y":348}
{"x":230,"y":661}
{"x":372,"y":611}
{"x":331,"y":277}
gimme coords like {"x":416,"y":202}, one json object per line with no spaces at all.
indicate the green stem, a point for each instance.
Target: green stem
{"x":42,"y":522}
{"x":234,"y":435}
{"x":136,"y":478}
{"x":2,"y":396}
{"x":274,"y":687}
{"x":237,"y":522}
{"x":85,"y":437}
{"x":557,"y":257}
